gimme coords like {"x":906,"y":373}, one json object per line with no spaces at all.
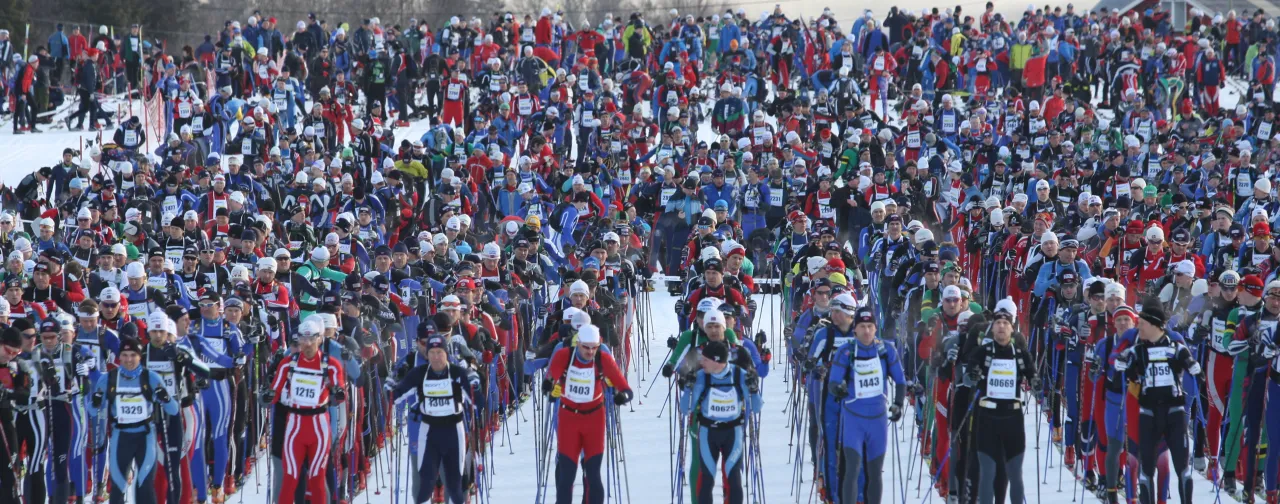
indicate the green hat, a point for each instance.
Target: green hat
{"x":1149,"y":191}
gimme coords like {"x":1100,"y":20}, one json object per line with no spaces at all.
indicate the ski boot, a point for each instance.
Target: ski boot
{"x":1057,"y":436}
{"x":1111,"y":497}
{"x":1069,"y":458}
{"x":1090,"y":481}
{"x":229,"y":485}
{"x":1273,"y":497}
{"x":1199,"y":464}
{"x":1229,"y":486}
{"x":437,"y":496}
{"x":216,"y":496}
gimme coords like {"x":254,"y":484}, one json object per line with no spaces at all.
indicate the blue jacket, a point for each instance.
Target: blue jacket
{"x":711,"y":194}
{"x":728,"y":32}
{"x":1048,"y":275}
{"x":58,"y":45}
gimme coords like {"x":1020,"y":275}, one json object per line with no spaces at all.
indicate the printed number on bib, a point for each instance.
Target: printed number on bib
{"x":722,"y":404}
{"x":131,"y":409}
{"x":1002,"y":379}
{"x":870,"y":378}
{"x":580,"y":384}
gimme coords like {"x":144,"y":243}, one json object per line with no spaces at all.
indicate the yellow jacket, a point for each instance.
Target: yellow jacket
{"x":1019,"y":55}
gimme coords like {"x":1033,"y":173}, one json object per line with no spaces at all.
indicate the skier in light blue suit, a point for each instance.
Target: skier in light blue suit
{"x":725,"y":396}
{"x":127,"y":395}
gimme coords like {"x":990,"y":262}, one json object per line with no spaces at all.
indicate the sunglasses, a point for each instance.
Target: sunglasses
{"x":822,"y":292}
{"x":110,"y":305}
{"x":208,"y":304}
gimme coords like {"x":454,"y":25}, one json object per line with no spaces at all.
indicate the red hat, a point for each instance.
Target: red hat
{"x":796,"y":215}
{"x":1261,"y":229}
{"x":1125,"y":311}
{"x":272,"y":20}
{"x":826,"y":133}
{"x":1252,"y":284}
{"x":836,"y":264}
{"x":737,"y":249}
{"x":1134,"y":227}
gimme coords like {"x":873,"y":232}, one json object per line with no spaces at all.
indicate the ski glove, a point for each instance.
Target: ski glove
{"x":761,"y":338}
{"x":1269,"y":350}
{"x":668,"y":370}
{"x":266,"y":396}
{"x":839,"y":390}
{"x":337,"y":395}
{"x":895,"y":413}
{"x":97,"y":400}
{"x":390,"y":386}
{"x":162,"y":395}
{"x":1123,"y":360}
{"x":82,"y":369}
{"x":672,"y":342}
{"x":622,"y":397}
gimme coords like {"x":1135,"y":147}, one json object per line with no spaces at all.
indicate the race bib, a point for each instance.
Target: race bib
{"x":580,"y":384}
{"x":138,"y":310}
{"x":165,"y":370}
{"x":913,"y":139}
{"x":438,"y":398}
{"x":246,"y":146}
{"x":525,"y":106}
{"x":775,"y":197}
{"x":948,"y":123}
{"x":130,"y":138}
{"x":1159,"y":374}
{"x":305,"y":388}
{"x":184,"y":109}
{"x":879,"y":64}
{"x":197,"y":123}
{"x":455,"y":91}
{"x":131,"y":407}
{"x":824,"y":208}
{"x":170,"y":206}
{"x":1123,"y":190}
{"x":722,"y":404}
{"x":870,"y":378}
{"x":1002,"y":379}
{"x":667,"y":193}
{"x":175,"y":257}
{"x":1244,"y":185}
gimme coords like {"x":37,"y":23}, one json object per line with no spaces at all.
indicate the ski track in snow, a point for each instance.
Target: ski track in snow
{"x":647,"y":438}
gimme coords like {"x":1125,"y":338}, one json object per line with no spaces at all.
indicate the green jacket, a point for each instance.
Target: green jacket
{"x":307,"y":302}
{"x":696,"y":338}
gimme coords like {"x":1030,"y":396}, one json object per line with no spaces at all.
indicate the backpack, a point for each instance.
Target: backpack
{"x":557,"y":215}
